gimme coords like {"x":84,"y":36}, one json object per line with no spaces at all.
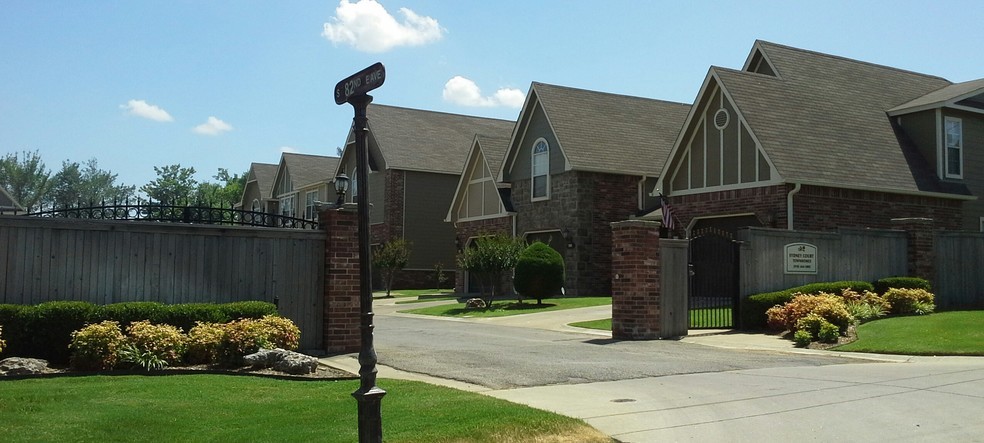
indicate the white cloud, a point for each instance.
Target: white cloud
{"x":368,"y":27}
{"x":288,"y":149}
{"x":462,"y":91}
{"x":213,"y":126}
{"x":146,"y":110}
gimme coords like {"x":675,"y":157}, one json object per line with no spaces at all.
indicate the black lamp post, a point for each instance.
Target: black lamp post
{"x":353,"y":90}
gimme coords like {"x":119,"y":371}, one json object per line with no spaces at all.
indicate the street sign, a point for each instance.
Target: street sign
{"x":360,"y":83}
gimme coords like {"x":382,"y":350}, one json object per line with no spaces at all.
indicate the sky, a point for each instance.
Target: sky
{"x":221,"y":83}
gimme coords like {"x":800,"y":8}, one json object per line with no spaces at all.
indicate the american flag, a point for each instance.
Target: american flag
{"x":667,"y":213}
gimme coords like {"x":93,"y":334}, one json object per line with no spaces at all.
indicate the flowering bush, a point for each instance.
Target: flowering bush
{"x":95,"y":346}
{"x":163,"y":341}
{"x":281,"y":332}
{"x":910,"y":301}
{"x":830,"y":307}
{"x":240,"y":338}
{"x":204,"y":340}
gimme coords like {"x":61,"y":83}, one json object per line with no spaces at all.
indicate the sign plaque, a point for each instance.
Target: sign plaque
{"x":801,"y":258}
{"x":360,"y":83}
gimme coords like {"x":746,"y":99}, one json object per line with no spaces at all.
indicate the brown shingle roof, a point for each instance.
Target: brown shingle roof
{"x":418,"y":140}
{"x":614,"y":133}
{"x":942,"y":95}
{"x":824,"y":120}
{"x":307,"y":169}
{"x":264,"y":174}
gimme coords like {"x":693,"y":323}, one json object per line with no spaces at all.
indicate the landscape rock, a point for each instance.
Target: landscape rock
{"x":23,"y":366}
{"x":283,"y":360}
{"x":475,"y":303}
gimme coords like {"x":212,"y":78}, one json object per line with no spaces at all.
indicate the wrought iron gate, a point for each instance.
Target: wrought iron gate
{"x":713,"y":298}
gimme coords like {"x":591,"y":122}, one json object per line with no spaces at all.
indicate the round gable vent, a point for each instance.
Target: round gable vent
{"x":721,"y":118}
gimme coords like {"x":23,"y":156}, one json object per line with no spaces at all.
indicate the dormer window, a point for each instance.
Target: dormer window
{"x":953,"y":131}
{"x":540,"y":170}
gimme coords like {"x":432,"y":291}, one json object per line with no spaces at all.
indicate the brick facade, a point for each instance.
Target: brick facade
{"x":921,"y":253}
{"x":477,"y":228}
{"x":635,"y":259}
{"x":584,"y":203}
{"x":816,"y":208}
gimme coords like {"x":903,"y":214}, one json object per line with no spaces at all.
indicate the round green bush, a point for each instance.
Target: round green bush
{"x":539,"y":272}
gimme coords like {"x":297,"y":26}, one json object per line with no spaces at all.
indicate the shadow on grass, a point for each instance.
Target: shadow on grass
{"x":499,"y":307}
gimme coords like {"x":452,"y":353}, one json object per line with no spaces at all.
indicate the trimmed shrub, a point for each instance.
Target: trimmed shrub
{"x":883,"y":285}
{"x":165,"y":342}
{"x":248,"y":309}
{"x":240,"y":338}
{"x":186,"y":315}
{"x":204,"y":342}
{"x":905,"y":301}
{"x":828,"y":306}
{"x":96,"y":346}
{"x":281,"y":332}
{"x":752,"y":309}
{"x":129,"y":312}
{"x":51,"y":328}
{"x":539,"y":272}
{"x":802,"y":338}
{"x":828,"y":333}
{"x":16,"y":322}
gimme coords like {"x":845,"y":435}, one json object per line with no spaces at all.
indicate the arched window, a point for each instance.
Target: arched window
{"x":540,"y":170}
{"x":255,"y":207}
{"x":354,"y":184}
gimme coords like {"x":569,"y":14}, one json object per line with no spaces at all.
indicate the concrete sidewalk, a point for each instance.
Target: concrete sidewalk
{"x":887,"y":398}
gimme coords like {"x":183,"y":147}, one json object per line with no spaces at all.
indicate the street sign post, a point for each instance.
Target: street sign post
{"x":354,"y":90}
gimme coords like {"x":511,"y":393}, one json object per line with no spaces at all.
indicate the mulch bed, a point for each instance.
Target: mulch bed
{"x":322,"y":373}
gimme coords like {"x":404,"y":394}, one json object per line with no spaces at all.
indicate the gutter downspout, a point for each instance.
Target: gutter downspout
{"x":789,"y":206}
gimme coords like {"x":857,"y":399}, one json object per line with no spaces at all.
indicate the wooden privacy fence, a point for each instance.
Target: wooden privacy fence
{"x":849,"y":254}
{"x":959,"y":281}
{"x":102,"y":262}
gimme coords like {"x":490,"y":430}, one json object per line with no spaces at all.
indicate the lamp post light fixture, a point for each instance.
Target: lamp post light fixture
{"x":341,"y":187}
{"x":566,"y":233}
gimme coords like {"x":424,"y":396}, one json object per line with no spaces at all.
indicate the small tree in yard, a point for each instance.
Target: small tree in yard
{"x":389,"y":259}
{"x":539,"y":272}
{"x":489,"y":260}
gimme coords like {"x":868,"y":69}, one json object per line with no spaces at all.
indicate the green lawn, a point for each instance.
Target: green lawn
{"x":511,"y":307}
{"x":197,"y":408}
{"x":697,"y":316}
{"x":942,"y":333}
{"x":414,"y":293}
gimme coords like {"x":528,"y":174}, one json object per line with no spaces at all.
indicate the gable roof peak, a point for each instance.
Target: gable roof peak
{"x":766,"y":45}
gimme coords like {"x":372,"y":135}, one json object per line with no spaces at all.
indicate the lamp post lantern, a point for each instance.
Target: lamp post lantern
{"x":353,"y":90}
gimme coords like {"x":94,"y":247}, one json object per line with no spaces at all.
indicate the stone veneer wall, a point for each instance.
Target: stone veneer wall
{"x":585,"y":203}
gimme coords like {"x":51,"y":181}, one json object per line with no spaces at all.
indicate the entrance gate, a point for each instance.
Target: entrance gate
{"x":713,"y":291}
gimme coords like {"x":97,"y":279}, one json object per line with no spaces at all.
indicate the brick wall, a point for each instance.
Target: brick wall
{"x":635,"y":280}
{"x":585,"y":203}
{"x":921,"y":251}
{"x":477,"y":228}
{"x":816,"y":208}
{"x":342,"y":285}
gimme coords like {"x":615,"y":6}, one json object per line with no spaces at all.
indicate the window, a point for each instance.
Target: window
{"x":287,"y":206}
{"x":953,"y":130}
{"x":310,"y":208}
{"x":354,"y":184}
{"x":255,"y":207}
{"x":540,"y":170}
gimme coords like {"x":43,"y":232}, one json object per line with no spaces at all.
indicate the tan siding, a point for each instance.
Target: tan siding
{"x":427,"y":200}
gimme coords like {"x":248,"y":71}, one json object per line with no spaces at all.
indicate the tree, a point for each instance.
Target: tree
{"x":539,"y":272}
{"x":226,"y":193}
{"x":489,"y":260}
{"x":172,"y":185}
{"x":85,"y":185}
{"x":25,"y":178}
{"x":389,"y":259}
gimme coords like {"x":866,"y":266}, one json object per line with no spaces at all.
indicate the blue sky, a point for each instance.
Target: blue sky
{"x":210,"y":84}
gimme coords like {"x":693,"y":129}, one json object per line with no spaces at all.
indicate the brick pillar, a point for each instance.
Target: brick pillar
{"x":635,"y":280}
{"x":341,"y":316}
{"x":921,"y":254}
